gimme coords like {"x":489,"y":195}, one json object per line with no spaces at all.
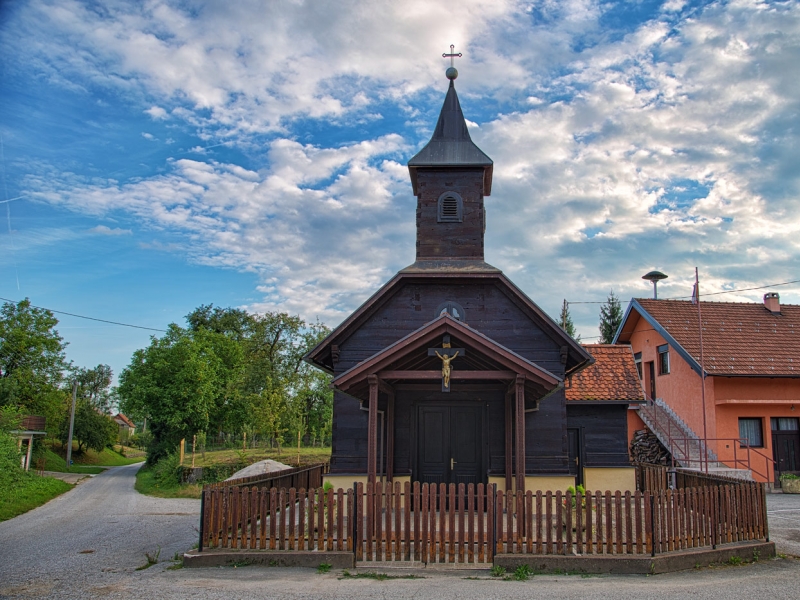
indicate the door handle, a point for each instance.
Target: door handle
{"x":452,"y":463}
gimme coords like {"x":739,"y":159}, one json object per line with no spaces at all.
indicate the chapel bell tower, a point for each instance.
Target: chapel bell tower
{"x":450,"y":177}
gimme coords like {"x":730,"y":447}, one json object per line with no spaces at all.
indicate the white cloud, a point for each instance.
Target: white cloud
{"x":157,"y":113}
{"x":104,"y":230}
{"x":671,"y":146}
{"x":148,"y":136}
{"x":274,"y":223}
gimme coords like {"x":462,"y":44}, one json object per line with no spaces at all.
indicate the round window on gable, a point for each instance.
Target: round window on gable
{"x":454,"y":309}
{"x":451,"y":208}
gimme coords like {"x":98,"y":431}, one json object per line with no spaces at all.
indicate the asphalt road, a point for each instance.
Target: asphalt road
{"x":89,"y":542}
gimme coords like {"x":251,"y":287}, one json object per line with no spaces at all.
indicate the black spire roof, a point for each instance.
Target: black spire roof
{"x":451,"y":146}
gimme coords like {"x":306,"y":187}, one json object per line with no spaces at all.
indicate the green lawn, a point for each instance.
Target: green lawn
{"x":146,"y":484}
{"x":29,"y":493}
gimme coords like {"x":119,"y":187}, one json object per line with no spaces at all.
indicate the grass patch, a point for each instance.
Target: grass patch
{"x":88,"y":461}
{"x":324,"y":568}
{"x":27,"y":494}
{"x":346,"y":574}
{"x":308,"y":456}
{"x":146,"y":484}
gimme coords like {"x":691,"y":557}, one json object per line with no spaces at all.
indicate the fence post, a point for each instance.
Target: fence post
{"x":763,"y":497}
{"x":715,"y":493}
{"x":354,"y":517}
{"x":652,"y":526}
{"x":493,"y":524}
{"x":202,"y":519}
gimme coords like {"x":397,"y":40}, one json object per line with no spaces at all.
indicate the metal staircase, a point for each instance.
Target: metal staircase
{"x":687,"y":449}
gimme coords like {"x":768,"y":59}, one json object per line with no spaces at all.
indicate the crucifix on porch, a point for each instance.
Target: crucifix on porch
{"x":446,"y":354}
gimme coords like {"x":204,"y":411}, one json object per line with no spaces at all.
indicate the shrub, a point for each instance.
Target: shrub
{"x":10,"y":467}
{"x":166,"y":471}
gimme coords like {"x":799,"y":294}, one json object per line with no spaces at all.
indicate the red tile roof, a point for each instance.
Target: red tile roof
{"x":125,"y":420}
{"x":612,"y":378}
{"x":738,"y":338}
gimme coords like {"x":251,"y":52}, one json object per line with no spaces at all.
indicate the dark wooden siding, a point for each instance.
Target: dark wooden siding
{"x":604,"y":432}
{"x":489,"y":310}
{"x":450,"y":240}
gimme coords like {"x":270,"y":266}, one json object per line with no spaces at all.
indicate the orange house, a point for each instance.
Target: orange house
{"x":751,"y":355}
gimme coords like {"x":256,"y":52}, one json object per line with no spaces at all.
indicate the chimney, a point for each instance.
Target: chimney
{"x":772,"y":301}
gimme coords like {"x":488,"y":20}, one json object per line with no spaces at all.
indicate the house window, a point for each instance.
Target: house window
{"x":451,"y":208}
{"x":784,"y":424}
{"x":638,"y":358}
{"x":663,"y":360}
{"x":750,"y":432}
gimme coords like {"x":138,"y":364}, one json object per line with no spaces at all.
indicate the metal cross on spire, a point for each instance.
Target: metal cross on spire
{"x":452,"y":72}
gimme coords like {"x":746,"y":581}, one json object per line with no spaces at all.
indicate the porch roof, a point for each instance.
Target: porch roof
{"x":407,"y":359}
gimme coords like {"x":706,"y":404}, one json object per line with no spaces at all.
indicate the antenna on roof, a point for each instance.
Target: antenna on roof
{"x":655,"y":277}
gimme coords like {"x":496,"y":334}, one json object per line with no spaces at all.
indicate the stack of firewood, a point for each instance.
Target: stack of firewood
{"x":645,"y":448}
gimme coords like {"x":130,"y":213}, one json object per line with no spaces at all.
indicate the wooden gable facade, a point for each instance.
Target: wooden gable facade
{"x":503,"y":416}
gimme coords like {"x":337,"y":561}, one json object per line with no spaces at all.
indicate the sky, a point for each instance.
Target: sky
{"x":157,"y":156}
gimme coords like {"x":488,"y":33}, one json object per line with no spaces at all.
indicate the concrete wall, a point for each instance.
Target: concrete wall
{"x":600,"y":479}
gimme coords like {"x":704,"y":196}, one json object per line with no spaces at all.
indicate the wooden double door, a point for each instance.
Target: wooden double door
{"x":450,"y":440}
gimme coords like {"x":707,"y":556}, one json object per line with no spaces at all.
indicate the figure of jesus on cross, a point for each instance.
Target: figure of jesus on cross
{"x":447,"y":356}
{"x":446,"y":367}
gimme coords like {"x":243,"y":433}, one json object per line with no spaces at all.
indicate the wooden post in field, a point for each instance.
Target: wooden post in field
{"x":298,"y":447}
{"x":182,"y":451}
{"x":244,"y":441}
{"x":194,"y":447}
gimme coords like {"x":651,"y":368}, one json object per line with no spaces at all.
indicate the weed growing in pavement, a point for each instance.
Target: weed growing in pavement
{"x":735,"y":561}
{"x":245,"y":562}
{"x":781,"y":555}
{"x":522,"y":573}
{"x":175,"y":567}
{"x":756,"y":555}
{"x":152,"y":559}
{"x":346,"y":574}
{"x":324,"y":568}
{"x":498,"y":571}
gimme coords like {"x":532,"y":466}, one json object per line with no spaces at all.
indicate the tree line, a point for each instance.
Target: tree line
{"x":229,"y":372}
{"x":36,"y":378}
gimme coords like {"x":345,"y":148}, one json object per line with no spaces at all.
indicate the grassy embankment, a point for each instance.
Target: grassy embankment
{"x":88,"y":461}
{"x":28,"y":493}
{"x":148,"y":482}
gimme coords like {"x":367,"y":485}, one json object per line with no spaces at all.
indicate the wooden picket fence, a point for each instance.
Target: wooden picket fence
{"x":293,"y":477}
{"x":432,"y":523}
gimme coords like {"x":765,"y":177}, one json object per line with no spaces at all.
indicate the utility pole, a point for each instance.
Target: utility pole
{"x":71,"y":422}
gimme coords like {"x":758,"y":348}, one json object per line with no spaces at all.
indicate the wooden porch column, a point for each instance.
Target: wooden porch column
{"x":509,"y":446}
{"x":372,"y":430}
{"x":520,"y":389}
{"x":390,"y":437}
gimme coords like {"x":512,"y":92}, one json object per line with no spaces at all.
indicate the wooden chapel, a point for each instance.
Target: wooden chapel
{"x":449,"y":373}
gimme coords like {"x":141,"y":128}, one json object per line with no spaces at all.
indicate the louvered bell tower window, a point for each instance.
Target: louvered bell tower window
{"x":451,"y":208}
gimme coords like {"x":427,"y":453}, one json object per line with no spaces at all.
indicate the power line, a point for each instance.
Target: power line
{"x":761,"y":287}
{"x":61,"y":312}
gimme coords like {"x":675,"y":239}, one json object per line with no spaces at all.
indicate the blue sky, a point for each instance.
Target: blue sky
{"x":157,"y":156}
